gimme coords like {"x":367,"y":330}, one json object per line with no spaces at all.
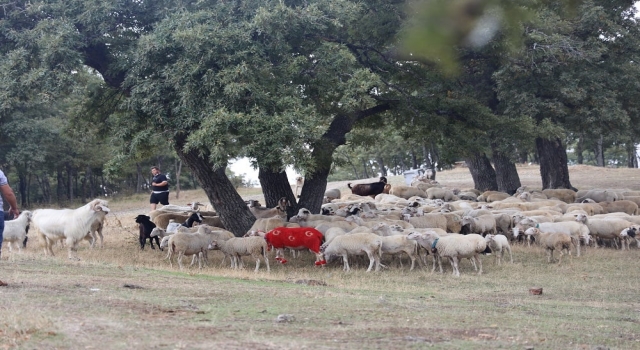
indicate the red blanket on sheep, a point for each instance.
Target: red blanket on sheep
{"x":295,"y":238}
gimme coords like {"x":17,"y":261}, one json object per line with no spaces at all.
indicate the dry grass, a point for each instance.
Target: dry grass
{"x":121,"y":297}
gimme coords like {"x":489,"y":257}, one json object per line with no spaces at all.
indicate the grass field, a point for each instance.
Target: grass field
{"x":119,"y":297}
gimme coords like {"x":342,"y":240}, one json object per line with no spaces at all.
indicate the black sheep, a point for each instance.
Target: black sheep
{"x":370,"y":189}
{"x":146,"y":226}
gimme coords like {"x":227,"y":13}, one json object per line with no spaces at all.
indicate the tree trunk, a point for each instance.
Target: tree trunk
{"x":139,"y":178}
{"x":579,"y":150}
{"x":69,"y":182}
{"x":506,"y":173}
{"x":435,"y":158}
{"x":22,"y":188}
{"x":365,"y":170}
{"x":275,"y":185}
{"x":553,"y":164}
{"x":83,"y":189}
{"x":59,"y":186}
{"x":383,"y":169}
{"x":178,"y":166}
{"x":483,"y":174}
{"x":599,"y":151}
{"x":92,"y":183}
{"x":632,"y":160}
{"x":234,"y":213}
{"x":414,"y":159}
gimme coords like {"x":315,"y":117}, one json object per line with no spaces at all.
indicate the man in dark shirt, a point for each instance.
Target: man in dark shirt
{"x":159,"y":187}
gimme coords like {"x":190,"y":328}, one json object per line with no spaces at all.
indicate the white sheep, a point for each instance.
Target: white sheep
{"x":431,"y":220}
{"x":578,"y":231}
{"x":454,"y":247}
{"x":354,"y":244}
{"x":239,"y":246}
{"x":498,"y":244}
{"x":606,"y":228}
{"x":184,"y":243}
{"x":482,"y":225}
{"x":70,"y":224}
{"x":551,"y":241}
{"x":397,"y":244}
{"x":15,"y":231}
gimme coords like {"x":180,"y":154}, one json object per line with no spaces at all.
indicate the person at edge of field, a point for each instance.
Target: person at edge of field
{"x":10,"y":197}
{"x":159,"y":187}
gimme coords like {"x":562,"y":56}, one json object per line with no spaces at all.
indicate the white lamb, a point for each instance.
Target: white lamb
{"x":354,"y":244}
{"x":70,"y":224}
{"x":184,"y":243}
{"x":551,"y":241}
{"x":498,"y":244}
{"x":236,"y":247}
{"x":578,"y":231}
{"x":454,"y":247}
{"x":15,"y":231}
{"x":394,"y":245}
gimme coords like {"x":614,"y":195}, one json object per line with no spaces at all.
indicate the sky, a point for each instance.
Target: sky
{"x":243,"y":166}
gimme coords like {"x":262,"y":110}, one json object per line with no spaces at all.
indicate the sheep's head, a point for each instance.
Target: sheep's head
{"x":414,"y":235}
{"x":466,"y":220}
{"x":489,"y":238}
{"x":142,"y":218}
{"x":252,"y":203}
{"x":157,"y":231}
{"x":531,"y":231}
{"x":99,"y":205}
{"x":582,"y":218}
{"x":396,"y":227}
{"x":383,"y":179}
{"x":213,"y":245}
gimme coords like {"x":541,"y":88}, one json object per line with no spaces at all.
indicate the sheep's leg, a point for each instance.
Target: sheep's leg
{"x":99,"y":231}
{"x":477,"y":257}
{"x":345,"y":263}
{"x":578,"y":244}
{"x":372,"y":260}
{"x":454,"y":265}
{"x":73,"y":248}
{"x":266,"y":259}
{"x":560,"y":257}
{"x":180,"y":255}
{"x":413,"y":261}
{"x":549,"y":255}
{"x":510,"y":256}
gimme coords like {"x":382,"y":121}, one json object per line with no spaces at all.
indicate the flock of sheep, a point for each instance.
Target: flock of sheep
{"x":376,"y":220}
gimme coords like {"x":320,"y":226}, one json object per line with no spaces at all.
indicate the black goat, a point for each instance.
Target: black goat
{"x":370,"y":189}
{"x":146,"y":226}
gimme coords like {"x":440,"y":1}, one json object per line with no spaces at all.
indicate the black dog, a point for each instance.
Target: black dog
{"x":146,"y":226}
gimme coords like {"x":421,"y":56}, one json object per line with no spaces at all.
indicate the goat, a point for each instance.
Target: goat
{"x":370,"y":189}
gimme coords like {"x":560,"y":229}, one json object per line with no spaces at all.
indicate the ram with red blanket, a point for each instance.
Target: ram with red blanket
{"x":296,"y":238}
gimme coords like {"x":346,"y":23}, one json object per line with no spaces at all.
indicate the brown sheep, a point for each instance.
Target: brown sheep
{"x":623,"y":206}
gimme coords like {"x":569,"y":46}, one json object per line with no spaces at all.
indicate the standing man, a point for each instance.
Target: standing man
{"x":10,"y":197}
{"x":159,"y":187}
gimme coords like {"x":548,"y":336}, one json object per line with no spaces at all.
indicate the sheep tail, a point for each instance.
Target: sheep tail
{"x":349,"y":185}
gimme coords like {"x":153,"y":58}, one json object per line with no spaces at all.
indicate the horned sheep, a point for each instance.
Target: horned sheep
{"x":70,"y":224}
